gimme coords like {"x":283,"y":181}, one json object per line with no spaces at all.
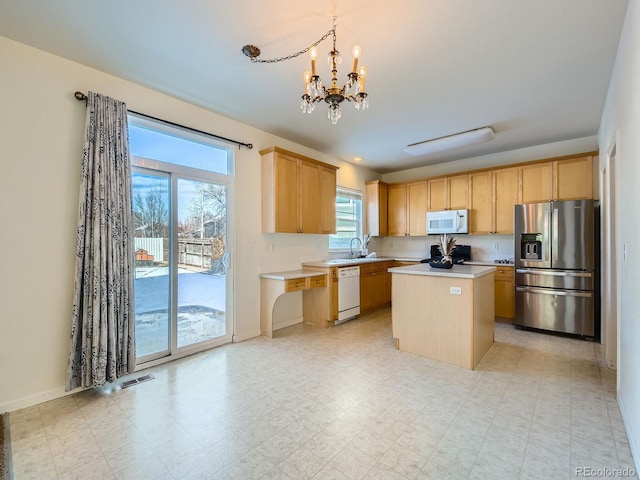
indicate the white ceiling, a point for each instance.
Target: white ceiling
{"x":536,"y":71}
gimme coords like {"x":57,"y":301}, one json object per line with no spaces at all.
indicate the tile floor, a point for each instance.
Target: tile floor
{"x":340,"y":403}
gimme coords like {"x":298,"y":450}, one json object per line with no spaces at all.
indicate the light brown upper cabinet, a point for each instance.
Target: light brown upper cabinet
{"x":566,"y":179}
{"x":328,"y":206}
{"x":505,"y":197}
{"x":572,"y":178}
{"x":481,"y":203}
{"x":408,"y":209}
{"x":398,"y":210}
{"x":437,"y":194}
{"x":375,"y":203}
{"x":448,"y":193}
{"x":458,"y":192}
{"x":298,"y":193}
{"x":492,"y":197}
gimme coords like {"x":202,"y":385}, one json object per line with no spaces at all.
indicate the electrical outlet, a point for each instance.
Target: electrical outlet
{"x":495,"y":246}
{"x":455,"y":290}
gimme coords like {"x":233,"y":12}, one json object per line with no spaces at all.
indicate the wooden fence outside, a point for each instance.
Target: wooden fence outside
{"x":195,"y":252}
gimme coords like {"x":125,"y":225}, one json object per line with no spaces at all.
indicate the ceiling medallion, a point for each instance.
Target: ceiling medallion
{"x":353,"y":90}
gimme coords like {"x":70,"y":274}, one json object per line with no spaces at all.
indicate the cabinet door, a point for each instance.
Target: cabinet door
{"x":505,"y":197}
{"x":397,"y":210}
{"x":366,"y":292}
{"x":536,"y":182}
{"x":417,"y":201}
{"x":480,"y":203}
{"x":376,"y":208}
{"x":504,"y":292}
{"x":310,"y":215}
{"x":572,"y":179}
{"x":387,"y":287}
{"x":458,"y":192}
{"x":328,"y":200}
{"x":286,"y":173}
{"x":333,"y":282}
{"x":437,"y":194}
{"x":379,"y":285}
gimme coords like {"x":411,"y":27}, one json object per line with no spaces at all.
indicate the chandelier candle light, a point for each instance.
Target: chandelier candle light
{"x":353,"y":90}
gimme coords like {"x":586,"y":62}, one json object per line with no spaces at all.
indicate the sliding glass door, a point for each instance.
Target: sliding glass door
{"x":152,"y":285}
{"x":202,"y":261}
{"x":182,"y":186}
{"x":182,"y":262}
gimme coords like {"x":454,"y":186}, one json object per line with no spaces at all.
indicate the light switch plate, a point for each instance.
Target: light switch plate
{"x":455,"y":290}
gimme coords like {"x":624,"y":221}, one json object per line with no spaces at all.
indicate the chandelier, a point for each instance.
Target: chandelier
{"x":352,"y":91}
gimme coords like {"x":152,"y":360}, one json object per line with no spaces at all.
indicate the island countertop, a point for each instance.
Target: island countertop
{"x":458,"y":271}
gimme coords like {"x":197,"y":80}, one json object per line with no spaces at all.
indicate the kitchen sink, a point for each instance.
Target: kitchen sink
{"x":339,"y":261}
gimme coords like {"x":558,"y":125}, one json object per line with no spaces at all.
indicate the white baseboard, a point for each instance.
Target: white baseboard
{"x":246,"y":336}
{"x":633,"y":445}
{"x":288,"y":323}
{"x":35,"y":399}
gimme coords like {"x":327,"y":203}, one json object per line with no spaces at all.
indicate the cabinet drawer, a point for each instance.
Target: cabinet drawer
{"x":504,"y":272}
{"x":381,"y":267}
{"x":296,"y":284}
{"x":366,"y":268}
{"x":318,"y":281}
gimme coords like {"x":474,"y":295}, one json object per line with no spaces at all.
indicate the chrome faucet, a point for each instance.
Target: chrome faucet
{"x":351,"y":246}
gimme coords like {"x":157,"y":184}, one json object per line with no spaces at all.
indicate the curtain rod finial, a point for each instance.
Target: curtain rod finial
{"x":80,"y":96}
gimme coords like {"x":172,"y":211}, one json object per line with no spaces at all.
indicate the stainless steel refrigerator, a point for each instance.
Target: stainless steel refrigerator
{"x":555,"y":266}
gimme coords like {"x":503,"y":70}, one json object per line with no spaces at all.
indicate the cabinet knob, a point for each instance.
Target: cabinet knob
{"x":373,"y":274}
{"x":297,"y":284}
{"x":318,"y":282}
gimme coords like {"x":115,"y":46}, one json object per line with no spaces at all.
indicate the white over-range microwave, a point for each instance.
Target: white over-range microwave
{"x":448,"y":221}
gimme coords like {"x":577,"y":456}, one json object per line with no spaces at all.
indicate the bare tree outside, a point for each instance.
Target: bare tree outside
{"x":150,"y":214}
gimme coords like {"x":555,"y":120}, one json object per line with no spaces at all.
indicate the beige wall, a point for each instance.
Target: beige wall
{"x":42,"y":127}
{"x":620,"y":124}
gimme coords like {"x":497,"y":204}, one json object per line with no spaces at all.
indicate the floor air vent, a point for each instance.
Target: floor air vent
{"x":136,"y":381}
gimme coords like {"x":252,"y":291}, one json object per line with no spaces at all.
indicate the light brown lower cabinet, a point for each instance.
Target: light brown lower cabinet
{"x":504,"y":292}
{"x":327,"y":304}
{"x":375,"y":285}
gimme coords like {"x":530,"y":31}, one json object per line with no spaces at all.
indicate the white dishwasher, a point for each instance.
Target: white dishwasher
{"x":348,"y":293}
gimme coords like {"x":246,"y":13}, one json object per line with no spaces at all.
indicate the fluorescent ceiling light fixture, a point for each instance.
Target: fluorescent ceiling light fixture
{"x":457,"y":140}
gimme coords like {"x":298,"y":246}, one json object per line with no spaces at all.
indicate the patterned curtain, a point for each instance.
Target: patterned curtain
{"x":103,"y":322}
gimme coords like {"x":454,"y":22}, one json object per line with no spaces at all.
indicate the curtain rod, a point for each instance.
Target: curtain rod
{"x":82,"y":97}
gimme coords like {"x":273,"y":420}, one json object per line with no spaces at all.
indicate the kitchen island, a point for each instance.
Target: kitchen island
{"x":446,"y":315}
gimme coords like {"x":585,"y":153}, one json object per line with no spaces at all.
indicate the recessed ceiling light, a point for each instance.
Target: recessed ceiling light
{"x":457,"y":140}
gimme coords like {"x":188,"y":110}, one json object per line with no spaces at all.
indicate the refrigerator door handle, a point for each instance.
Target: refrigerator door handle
{"x":554,"y":237}
{"x":554,"y":273}
{"x":545,"y":239}
{"x":561,"y":293}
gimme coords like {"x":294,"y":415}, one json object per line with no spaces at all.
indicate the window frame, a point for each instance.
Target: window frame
{"x":359,"y":220}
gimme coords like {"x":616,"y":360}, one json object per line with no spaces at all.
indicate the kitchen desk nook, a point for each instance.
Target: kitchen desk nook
{"x":446,"y":315}
{"x":273,"y":285}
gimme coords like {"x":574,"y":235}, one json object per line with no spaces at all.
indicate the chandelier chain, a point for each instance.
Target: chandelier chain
{"x":297,"y":54}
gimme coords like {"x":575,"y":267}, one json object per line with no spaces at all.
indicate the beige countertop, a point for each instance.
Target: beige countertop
{"x":290,"y":274}
{"x":458,"y":271}
{"x":346,"y":262}
{"x":489,"y":262}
